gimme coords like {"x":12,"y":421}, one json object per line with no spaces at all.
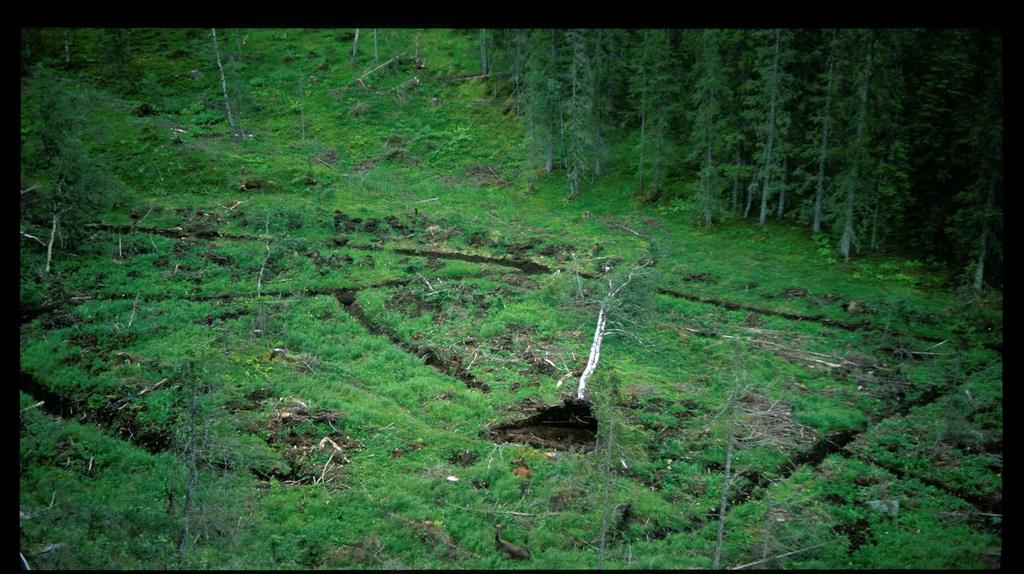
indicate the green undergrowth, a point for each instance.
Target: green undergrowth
{"x":236,"y":274}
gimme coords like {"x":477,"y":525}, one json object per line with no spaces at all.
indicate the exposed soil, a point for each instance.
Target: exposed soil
{"x":29,"y":315}
{"x":524,"y":265}
{"x":477,"y":239}
{"x":121,"y":421}
{"x":985,"y":504}
{"x":349,"y":224}
{"x":463,"y":457}
{"x":560,"y":251}
{"x":836,"y":443}
{"x":785,"y":315}
{"x":704,"y":277}
{"x":569,"y":425}
{"x":522,"y":247}
{"x":451,"y":366}
{"x":859,"y":533}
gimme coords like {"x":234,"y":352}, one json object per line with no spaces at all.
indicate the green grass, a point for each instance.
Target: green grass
{"x":256,"y":504}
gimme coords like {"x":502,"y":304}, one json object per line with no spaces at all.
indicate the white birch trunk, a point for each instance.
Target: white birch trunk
{"x":595,"y":353}
{"x":223,"y":82}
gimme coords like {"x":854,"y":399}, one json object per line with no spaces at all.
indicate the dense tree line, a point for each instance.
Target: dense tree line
{"x":878,"y":139}
{"x":882,"y":139}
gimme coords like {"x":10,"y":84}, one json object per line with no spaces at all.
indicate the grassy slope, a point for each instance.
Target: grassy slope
{"x":409,"y":417}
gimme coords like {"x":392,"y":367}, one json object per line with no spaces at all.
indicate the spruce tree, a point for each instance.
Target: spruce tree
{"x":543,"y":87}
{"x":704,"y":135}
{"x":652,"y":92}
{"x":578,"y":108}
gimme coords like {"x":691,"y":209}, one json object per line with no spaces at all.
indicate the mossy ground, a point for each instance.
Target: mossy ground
{"x":272,"y":494}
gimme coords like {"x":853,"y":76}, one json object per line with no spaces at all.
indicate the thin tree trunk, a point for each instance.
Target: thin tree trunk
{"x":782,"y":188}
{"x":874,"y":221}
{"x":223,"y":82}
{"x":709,"y":166}
{"x":848,"y":237}
{"x":820,"y":189}
{"x":375,"y":54}
{"x":302,"y":108}
{"x":709,"y":138}
{"x":67,"y":49}
{"x":771,"y":131}
{"x":606,"y":491}
{"x":750,"y":193}
{"x":549,"y":154}
{"x":355,"y":48}
{"x":483,"y":51}
{"x":191,"y":458}
{"x":53,"y":234}
{"x":736,"y":186}
{"x":979,"y":274}
{"x":574,"y":173}
{"x":723,"y":502}
{"x":238,"y":46}
{"x":655,"y":179}
{"x":643,"y":124}
{"x":517,"y":70}
{"x":766,"y":535}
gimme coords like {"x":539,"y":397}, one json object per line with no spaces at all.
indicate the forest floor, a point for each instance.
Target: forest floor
{"x":382,"y":344}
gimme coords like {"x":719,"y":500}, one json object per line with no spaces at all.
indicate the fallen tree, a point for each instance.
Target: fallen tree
{"x":608,"y":303}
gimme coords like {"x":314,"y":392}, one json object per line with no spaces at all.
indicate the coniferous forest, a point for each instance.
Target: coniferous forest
{"x":510,"y":298}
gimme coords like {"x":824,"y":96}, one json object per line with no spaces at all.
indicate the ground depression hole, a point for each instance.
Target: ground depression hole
{"x":566,"y":426}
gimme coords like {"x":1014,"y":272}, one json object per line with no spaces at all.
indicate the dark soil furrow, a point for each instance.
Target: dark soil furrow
{"x":731,"y":305}
{"x":831,"y":444}
{"x":984,"y":504}
{"x":121,"y":423}
{"x":525,"y":265}
{"x":431,"y":357}
{"x":861,"y":326}
{"x":29,"y":315}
